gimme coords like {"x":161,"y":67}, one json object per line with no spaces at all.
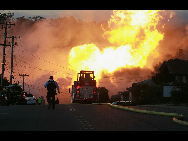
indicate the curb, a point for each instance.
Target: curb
{"x":177,"y":118}
{"x":184,"y":123}
{"x":145,"y":111}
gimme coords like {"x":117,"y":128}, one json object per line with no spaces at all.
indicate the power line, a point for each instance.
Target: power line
{"x":39,"y":58}
{"x":36,"y":67}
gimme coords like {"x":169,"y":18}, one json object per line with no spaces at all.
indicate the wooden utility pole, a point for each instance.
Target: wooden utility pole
{"x":23,"y":78}
{"x":4,"y":46}
{"x":11,"y":72}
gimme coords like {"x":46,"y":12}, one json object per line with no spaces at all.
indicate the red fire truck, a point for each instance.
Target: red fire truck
{"x":84,"y":89}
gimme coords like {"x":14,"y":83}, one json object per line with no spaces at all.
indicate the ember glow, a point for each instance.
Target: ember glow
{"x":134,"y":36}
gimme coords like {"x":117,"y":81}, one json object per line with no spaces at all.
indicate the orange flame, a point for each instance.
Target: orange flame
{"x":134,"y":36}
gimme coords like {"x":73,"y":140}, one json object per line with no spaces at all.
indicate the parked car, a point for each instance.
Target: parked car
{"x":14,"y":95}
{"x":122,"y":103}
{"x":30,"y":99}
{"x":3,"y":99}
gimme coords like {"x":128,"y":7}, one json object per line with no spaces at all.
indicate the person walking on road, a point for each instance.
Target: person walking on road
{"x":43,"y":101}
{"x":39,"y":100}
{"x":51,"y":86}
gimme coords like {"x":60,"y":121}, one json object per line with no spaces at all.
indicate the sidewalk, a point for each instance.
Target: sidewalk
{"x":164,"y":108}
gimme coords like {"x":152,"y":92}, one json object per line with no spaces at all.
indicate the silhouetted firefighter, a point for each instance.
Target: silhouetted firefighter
{"x":51,"y":87}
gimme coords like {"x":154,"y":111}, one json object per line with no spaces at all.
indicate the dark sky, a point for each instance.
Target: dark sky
{"x":180,"y":17}
{"x":85,"y":15}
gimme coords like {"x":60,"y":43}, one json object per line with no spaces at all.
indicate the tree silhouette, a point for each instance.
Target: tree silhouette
{"x":5,"y":82}
{"x":103,"y":94}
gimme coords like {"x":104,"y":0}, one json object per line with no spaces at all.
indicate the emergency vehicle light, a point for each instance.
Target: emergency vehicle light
{"x":94,"y":91}
{"x":78,"y":87}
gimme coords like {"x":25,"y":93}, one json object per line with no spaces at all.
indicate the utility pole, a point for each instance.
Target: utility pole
{"x":4,"y":46}
{"x":11,"y":72}
{"x":23,"y":78}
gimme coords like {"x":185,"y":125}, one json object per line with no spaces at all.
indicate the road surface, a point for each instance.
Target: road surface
{"x":80,"y":117}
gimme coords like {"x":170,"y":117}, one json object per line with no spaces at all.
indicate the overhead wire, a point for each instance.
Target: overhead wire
{"x":39,"y":58}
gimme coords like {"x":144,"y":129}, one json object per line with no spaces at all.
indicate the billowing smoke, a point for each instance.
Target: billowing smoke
{"x":43,"y":50}
{"x":44,"y":47}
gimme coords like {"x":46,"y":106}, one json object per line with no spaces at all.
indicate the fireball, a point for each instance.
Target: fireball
{"x":133,"y":35}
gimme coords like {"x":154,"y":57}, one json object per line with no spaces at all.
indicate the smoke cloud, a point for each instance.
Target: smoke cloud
{"x":44,"y":47}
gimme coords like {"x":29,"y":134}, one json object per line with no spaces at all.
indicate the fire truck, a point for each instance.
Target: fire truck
{"x":84,"y":89}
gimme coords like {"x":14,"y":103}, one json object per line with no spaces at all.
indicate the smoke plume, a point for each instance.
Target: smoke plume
{"x":45,"y":44}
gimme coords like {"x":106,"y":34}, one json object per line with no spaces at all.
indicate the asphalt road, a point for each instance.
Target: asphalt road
{"x":79,"y":117}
